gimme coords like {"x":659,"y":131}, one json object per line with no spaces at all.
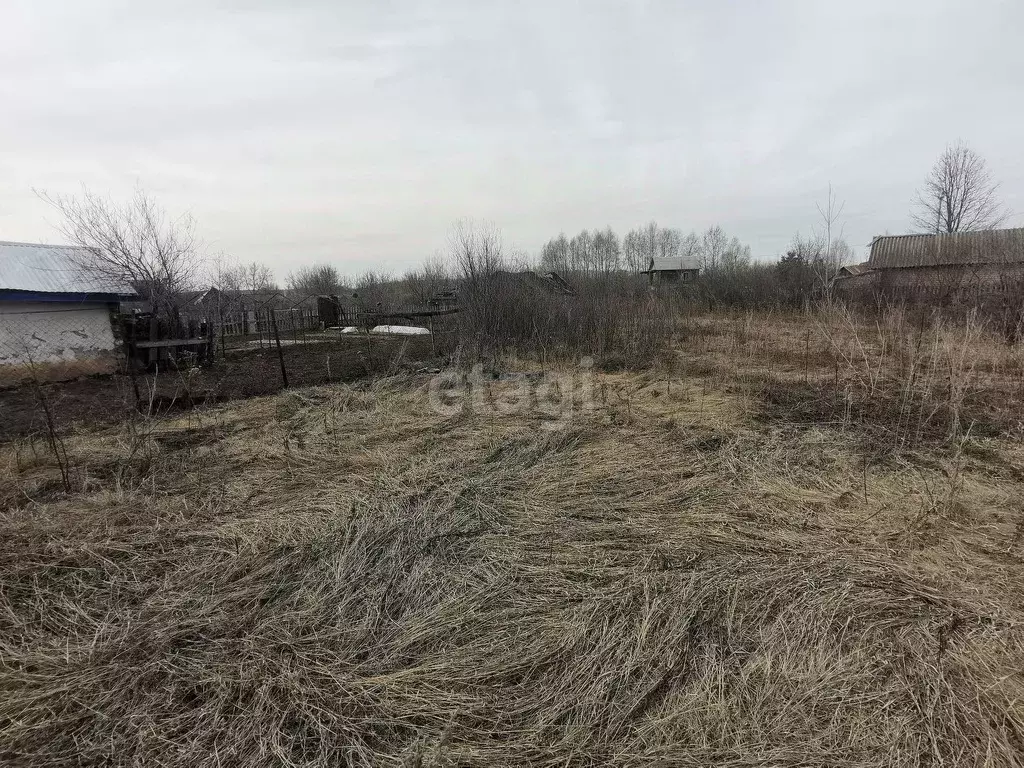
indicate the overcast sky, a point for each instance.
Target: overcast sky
{"x":355,"y":133}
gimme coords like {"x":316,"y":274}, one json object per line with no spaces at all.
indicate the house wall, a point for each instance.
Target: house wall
{"x":59,"y":341}
{"x":982,"y":276}
{"x":666,"y":276}
{"x":971,"y":282}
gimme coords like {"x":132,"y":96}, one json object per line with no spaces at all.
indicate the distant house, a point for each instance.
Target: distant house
{"x":444,"y":300}
{"x":548,"y":282}
{"x":853,"y":270}
{"x":671,"y":271}
{"x":56,"y":320}
{"x":982,"y":261}
{"x":226,"y":302}
{"x":551,"y":282}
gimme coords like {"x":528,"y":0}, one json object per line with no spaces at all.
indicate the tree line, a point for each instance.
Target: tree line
{"x":136,"y":242}
{"x":601,"y":250}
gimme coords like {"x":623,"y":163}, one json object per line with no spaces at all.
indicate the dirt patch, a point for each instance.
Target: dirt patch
{"x":101,"y":400}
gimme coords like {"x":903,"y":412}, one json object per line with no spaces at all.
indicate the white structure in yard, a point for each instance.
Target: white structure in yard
{"x":55,"y":319}
{"x":400,"y":330}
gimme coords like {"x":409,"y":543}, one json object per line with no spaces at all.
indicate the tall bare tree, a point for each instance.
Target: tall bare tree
{"x":633,"y":252}
{"x":581,"y":252}
{"x":315,"y":280}
{"x":713,"y":246}
{"x":832,"y":248}
{"x":134,"y":242}
{"x":607,"y":253}
{"x":689,"y":248}
{"x":959,"y":194}
{"x":554,"y":256}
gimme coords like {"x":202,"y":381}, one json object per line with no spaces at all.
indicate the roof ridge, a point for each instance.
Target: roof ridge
{"x":44,"y":245}
{"x":946,"y":234}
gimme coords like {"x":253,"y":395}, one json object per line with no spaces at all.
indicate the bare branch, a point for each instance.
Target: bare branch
{"x":319,"y":279}
{"x":133,"y":243}
{"x":959,"y":194}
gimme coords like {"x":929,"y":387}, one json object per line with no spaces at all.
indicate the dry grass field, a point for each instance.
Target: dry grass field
{"x":796,"y":541}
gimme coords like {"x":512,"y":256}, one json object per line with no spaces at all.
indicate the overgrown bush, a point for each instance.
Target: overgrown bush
{"x":613,"y":318}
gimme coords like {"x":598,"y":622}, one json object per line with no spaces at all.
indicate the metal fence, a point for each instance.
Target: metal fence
{"x":91,"y":364}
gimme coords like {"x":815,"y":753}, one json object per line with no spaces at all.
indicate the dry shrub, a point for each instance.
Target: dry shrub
{"x":905,"y":378}
{"x":612,"y":318}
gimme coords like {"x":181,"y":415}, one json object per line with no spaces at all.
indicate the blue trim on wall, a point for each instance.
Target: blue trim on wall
{"x":62,"y":298}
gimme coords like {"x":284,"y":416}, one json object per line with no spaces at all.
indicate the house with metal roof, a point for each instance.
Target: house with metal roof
{"x":672,"y":270}
{"x":984,"y":260}
{"x":56,"y":318}
{"x":989,"y":247}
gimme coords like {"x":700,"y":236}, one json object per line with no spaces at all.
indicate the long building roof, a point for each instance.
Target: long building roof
{"x":991,"y":246}
{"x":52,"y":269}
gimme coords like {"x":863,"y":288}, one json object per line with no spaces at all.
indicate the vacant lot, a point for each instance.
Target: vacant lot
{"x":797,"y":541}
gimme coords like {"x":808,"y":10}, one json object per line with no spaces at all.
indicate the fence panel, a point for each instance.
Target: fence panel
{"x":92,"y":366}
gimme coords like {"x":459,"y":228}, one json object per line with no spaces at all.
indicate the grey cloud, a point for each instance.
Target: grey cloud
{"x":358,"y":132}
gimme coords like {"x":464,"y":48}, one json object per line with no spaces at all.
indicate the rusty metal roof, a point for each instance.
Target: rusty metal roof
{"x":991,"y":246}
{"x":51,"y":269}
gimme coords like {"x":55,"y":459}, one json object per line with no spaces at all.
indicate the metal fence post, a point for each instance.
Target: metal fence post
{"x":280,"y":354}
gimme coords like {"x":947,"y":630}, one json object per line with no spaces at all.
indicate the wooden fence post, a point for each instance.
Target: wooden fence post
{"x":128,"y":331}
{"x":211,"y":344}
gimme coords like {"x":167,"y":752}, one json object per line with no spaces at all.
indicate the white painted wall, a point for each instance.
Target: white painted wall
{"x":62,"y":340}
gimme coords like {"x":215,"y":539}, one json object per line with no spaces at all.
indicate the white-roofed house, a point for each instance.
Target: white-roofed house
{"x":56,"y":319}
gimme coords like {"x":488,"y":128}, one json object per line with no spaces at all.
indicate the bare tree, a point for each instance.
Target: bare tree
{"x":735,"y":257}
{"x":689,"y":248}
{"x":476,"y":250}
{"x":607,"y":252}
{"x":258,"y":277}
{"x":959,"y":194}
{"x":633,"y":251}
{"x":235,"y":278}
{"x":581,"y":252}
{"x":652,"y":241}
{"x":422,"y":285}
{"x":378,"y":290}
{"x":649,"y":236}
{"x":132,"y":243}
{"x":712,"y":249}
{"x":669,"y":243}
{"x":832,"y":248}
{"x":318,"y":279}
{"x":554,"y":256}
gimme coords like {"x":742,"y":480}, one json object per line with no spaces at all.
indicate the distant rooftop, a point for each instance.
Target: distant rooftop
{"x":854,"y":270}
{"x":672,"y":265}
{"x":51,"y":269}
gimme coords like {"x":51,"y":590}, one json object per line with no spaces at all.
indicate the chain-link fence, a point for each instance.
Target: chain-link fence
{"x":87,"y":364}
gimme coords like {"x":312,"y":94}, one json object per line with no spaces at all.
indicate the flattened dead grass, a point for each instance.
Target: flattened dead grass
{"x":341,"y":576}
